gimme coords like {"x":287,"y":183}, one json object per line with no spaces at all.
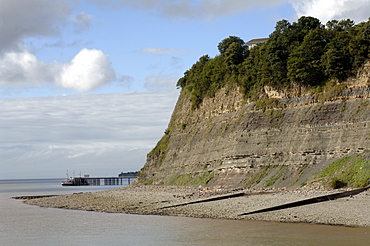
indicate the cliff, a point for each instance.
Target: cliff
{"x":283,"y":140}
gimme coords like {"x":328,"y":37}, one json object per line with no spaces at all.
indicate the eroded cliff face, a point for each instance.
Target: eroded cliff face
{"x":229,"y":142}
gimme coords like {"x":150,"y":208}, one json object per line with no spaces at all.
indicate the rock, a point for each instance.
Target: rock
{"x":227,"y":142}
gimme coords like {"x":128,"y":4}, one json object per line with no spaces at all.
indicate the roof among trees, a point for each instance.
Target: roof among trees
{"x":257,"y":41}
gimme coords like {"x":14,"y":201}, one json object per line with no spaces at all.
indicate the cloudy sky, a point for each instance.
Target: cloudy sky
{"x":89,"y":85}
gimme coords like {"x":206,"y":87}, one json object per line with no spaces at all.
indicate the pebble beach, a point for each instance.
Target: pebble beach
{"x":351,"y":211}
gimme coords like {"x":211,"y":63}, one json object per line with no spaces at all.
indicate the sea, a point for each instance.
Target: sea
{"x":22,"y":224}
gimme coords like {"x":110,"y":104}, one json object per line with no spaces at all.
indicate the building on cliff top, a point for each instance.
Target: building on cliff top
{"x":255,"y":42}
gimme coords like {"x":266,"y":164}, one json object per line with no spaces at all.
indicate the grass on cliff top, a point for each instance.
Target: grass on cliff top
{"x":351,"y":171}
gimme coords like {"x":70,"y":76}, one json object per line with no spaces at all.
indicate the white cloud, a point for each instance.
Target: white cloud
{"x":326,"y":10}
{"x":86,"y":132}
{"x":88,"y":70}
{"x":82,"y":21}
{"x":24,"y":68}
{"x":202,"y":9}
{"x":21,"y":19}
{"x":210,"y":9}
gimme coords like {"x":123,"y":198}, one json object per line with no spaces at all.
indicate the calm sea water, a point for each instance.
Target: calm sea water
{"x":22,"y":224}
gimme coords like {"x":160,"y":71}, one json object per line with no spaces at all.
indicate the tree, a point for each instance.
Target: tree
{"x":281,"y":27}
{"x":360,"y":43}
{"x":304,"y":25}
{"x":340,"y":26}
{"x":214,"y":75}
{"x":304,"y":63}
{"x":337,"y":59}
{"x":235,"y":54}
{"x":225,"y":44}
{"x":359,"y":50}
{"x":254,"y":72}
{"x":191,"y":74}
{"x":276,"y":55}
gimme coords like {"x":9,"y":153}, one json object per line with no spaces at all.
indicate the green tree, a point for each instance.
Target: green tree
{"x":360,"y":43}
{"x":274,"y":60}
{"x":235,"y":54}
{"x":340,"y":26}
{"x":304,"y":63}
{"x":253,"y":72}
{"x":302,"y":27}
{"x":194,"y":72}
{"x":281,"y":27}
{"x":337,"y":59}
{"x":214,"y":75}
{"x":225,"y":44}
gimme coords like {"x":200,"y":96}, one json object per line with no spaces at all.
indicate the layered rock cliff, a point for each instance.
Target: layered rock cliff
{"x":230,"y":142}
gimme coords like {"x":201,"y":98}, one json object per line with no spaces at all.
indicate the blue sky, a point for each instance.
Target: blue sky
{"x":89,"y":85}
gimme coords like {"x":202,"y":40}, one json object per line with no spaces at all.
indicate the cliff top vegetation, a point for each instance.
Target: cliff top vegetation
{"x":305,"y":52}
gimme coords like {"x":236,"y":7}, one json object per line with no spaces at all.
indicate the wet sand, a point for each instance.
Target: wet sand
{"x":153,"y":200}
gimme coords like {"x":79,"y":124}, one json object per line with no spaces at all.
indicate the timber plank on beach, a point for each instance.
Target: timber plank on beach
{"x":309,"y":201}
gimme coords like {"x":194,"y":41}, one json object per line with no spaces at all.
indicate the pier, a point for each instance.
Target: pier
{"x":80,"y":181}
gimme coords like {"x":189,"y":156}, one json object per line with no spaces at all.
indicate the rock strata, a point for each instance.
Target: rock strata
{"x":242,"y":146}
{"x":280,"y":141}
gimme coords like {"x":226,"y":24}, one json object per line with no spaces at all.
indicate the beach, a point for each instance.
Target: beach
{"x":168,"y":200}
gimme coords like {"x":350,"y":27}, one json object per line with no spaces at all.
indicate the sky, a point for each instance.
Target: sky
{"x":89,"y":86}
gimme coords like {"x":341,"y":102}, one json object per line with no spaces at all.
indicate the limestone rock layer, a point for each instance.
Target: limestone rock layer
{"x":229,"y":142}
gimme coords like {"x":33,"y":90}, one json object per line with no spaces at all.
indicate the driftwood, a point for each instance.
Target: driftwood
{"x":309,"y":201}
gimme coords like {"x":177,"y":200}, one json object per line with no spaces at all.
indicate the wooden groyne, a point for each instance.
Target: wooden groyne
{"x":283,"y":206}
{"x":31,"y":197}
{"x":309,"y":201}
{"x":207,"y":200}
{"x":217,"y":198}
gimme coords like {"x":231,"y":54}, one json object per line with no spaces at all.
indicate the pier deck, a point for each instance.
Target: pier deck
{"x":80,"y":181}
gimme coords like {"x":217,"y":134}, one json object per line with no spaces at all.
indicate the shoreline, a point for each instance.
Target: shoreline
{"x":350,"y":211}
